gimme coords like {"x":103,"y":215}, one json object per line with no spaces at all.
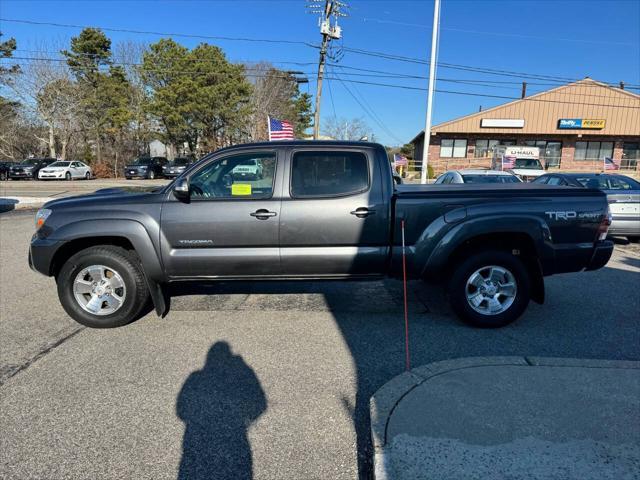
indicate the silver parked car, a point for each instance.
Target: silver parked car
{"x":622,"y":192}
{"x":477,"y":176}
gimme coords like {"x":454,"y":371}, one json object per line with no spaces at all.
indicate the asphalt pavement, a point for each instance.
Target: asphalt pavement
{"x":265,"y":381}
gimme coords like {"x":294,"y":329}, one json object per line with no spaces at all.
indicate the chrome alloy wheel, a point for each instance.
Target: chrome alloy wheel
{"x":99,"y":290}
{"x":491,"y":290}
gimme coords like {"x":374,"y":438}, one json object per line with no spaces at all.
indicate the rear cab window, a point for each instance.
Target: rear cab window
{"x":328,"y":174}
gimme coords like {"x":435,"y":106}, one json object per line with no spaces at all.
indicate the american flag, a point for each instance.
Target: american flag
{"x":280,"y":130}
{"x":508,"y":161}
{"x":399,"y":160}
{"x":609,"y":164}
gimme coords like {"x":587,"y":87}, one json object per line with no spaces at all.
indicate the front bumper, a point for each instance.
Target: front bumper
{"x":55,"y":176}
{"x":41,"y":253}
{"x":21,"y":175}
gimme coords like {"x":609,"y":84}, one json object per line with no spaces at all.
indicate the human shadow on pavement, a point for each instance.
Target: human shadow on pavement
{"x":218,"y":404}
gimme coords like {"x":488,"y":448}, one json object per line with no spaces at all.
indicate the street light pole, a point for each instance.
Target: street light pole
{"x":432,"y":81}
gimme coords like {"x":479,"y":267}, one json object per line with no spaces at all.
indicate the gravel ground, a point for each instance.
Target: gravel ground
{"x":268,"y":381}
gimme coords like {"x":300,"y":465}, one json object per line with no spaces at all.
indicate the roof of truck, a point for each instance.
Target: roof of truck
{"x":302,"y":143}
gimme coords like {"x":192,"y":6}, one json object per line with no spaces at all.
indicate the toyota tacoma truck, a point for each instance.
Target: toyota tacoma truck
{"x":320,"y":210}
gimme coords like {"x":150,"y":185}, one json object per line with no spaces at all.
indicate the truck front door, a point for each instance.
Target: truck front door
{"x":229,"y":226}
{"x":335,"y":221}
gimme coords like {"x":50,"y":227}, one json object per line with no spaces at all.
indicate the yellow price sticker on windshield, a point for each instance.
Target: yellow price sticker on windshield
{"x":241,"y":189}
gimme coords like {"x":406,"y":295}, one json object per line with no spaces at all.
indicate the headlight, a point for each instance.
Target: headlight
{"x":143,"y":167}
{"x":42,"y":216}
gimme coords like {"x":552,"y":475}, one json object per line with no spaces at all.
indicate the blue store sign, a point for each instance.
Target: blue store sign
{"x":570,"y":123}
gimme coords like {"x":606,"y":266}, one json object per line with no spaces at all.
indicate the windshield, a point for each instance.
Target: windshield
{"x":27,"y":163}
{"x":178,"y":162}
{"x":529,"y":163}
{"x":141,"y":161}
{"x":60,"y":164}
{"x":490,"y":179}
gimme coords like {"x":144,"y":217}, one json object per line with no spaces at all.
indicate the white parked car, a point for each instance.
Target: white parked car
{"x":477,"y":176}
{"x":65,"y":170}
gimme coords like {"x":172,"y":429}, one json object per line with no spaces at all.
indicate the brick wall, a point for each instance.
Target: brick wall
{"x":567,"y":162}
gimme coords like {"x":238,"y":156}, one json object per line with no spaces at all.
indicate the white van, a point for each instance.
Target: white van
{"x":521,"y":161}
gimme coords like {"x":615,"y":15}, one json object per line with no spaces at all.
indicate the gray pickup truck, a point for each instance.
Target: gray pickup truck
{"x":319,"y":210}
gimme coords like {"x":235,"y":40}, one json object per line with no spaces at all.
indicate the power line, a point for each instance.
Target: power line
{"x":362,"y":82}
{"x":388,"y":56}
{"x":163,"y":34}
{"x":370,"y":114}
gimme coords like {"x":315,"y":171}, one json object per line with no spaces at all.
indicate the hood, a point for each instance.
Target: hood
{"x":527,"y":172}
{"x":136,"y":166}
{"x":106,"y":197}
{"x":55,"y":169}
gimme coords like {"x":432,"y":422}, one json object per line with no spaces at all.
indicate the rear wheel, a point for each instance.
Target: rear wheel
{"x":489,"y":289}
{"x":152,"y":175}
{"x":67,"y":176}
{"x":3,"y":175}
{"x":102,"y":287}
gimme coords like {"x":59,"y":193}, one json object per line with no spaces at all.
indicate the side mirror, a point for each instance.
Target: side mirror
{"x":181,"y":190}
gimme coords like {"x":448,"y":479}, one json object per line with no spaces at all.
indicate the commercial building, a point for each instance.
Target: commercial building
{"x":575,"y":126}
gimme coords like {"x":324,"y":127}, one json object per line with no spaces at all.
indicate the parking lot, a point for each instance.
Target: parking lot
{"x":281,"y":373}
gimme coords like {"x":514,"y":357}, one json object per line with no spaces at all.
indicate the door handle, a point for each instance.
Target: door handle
{"x":263,"y":214}
{"x":362,"y":212}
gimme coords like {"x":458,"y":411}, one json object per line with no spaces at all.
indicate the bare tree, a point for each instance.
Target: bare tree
{"x":46,"y":91}
{"x":345,"y":129}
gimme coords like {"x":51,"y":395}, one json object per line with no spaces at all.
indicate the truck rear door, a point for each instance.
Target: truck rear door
{"x":334,"y":217}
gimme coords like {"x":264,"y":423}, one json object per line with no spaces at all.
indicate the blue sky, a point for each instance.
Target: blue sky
{"x":571,"y":39}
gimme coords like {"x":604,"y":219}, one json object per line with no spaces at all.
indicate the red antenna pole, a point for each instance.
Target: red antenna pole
{"x":406,"y":308}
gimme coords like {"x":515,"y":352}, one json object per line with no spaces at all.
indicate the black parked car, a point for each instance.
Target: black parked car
{"x":177,"y":166}
{"x":145,"y":167}
{"x":4,"y":170}
{"x":29,"y":168}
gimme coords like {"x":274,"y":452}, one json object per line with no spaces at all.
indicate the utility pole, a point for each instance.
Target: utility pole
{"x":432,"y":81}
{"x":329,"y":32}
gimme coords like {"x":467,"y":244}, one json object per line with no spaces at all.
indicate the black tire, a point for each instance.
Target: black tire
{"x":128,"y":178}
{"x":3,"y":176}
{"x":633,"y":239}
{"x":87,"y":176}
{"x":151,"y":175}
{"x":463,"y":272}
{"x":121,"y":261}
{"x":67,"y":176}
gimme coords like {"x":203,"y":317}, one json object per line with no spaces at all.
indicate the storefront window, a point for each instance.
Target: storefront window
{"x":630,"y":155}
{"x":453,"y":148}
{"x":550,"y":151}
{"x":485,"y":148}
{"x":593,"y":150}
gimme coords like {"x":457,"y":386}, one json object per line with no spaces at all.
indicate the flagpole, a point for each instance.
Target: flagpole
{"x":269,"y":127}
{"x":432,"y":80}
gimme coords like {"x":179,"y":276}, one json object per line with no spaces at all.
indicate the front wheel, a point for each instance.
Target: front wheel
{"x":151,"y":175}
{"x":102,"y":287}
{"x":489,"y":289}
{"x":67,"y":176}
{"x":87,"y":176}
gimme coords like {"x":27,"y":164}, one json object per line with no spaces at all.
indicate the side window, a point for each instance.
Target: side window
{"x":619,"y":184}
{"x":542,"y":180}
{"x":328,"y":174}
{"x":245,"y":176}
{"x":448,"y":178}
{"x":554,"y":181}
{"x":440,"y":179}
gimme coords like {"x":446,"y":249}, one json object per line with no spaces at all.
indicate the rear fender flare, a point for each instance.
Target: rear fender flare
{"x":433,"y":253}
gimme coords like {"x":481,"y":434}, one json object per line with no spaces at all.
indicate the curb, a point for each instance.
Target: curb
{"x":383,"y":403}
